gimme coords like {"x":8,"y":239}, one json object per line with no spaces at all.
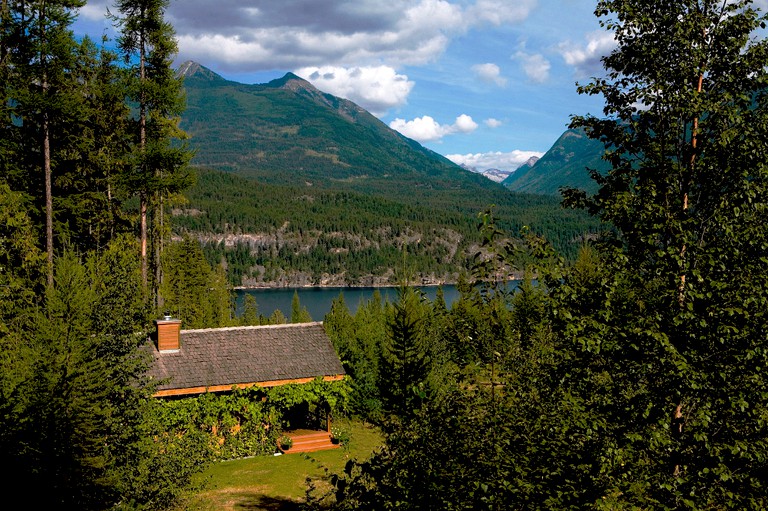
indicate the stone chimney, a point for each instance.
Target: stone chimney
{"x":168,"y":334}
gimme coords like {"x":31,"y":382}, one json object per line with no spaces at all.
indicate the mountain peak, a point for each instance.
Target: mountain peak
{"x":191,"y":69}
{"x":292,"y":82}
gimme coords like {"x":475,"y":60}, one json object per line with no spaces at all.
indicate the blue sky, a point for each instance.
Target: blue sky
{"x":487,"y":83}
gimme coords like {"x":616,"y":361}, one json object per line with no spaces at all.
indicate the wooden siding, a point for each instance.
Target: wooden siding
{"x":221,"y":388}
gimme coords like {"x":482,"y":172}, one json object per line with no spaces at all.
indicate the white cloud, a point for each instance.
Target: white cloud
{"x":492,"y":123}
{"x":586,"y":59}
{"x":493,"y":160}
{"x":426,"y":129}
{"x":535,"y":66}
{"x":94,"y":11}
{"x":377,"y":89}
{"x":502,"y":11}
{"x":489,"y":73}
{"x":465,"y":124}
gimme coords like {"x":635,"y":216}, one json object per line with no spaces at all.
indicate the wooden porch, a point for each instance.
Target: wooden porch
{"x":306,"y":440}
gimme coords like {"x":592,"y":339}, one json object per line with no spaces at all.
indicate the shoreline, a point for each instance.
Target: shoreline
{"x":348,"y":286}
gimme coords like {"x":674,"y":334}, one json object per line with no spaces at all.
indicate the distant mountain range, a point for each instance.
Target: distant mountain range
{"x":289,"y":132}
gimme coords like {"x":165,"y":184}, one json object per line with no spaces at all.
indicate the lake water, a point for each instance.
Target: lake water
{"x":317,"y":300}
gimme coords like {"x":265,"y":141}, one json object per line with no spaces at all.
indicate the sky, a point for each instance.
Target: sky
{"x":487,"y":83}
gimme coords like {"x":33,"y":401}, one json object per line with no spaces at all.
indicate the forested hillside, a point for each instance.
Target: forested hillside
{"x":565,"y":165}
{"x":287,"y":235}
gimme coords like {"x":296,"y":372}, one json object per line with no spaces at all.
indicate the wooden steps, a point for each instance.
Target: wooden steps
{"x":308,"y":441}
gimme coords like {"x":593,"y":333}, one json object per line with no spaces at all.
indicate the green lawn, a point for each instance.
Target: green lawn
{"x":278,"y":482}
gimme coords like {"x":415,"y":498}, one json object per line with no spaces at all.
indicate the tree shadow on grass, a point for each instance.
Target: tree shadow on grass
{"x":259,"y":502}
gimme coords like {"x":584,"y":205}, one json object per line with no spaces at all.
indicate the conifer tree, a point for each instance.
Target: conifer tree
{"x":405,"y":362}
{"x":38,"y":49}
{"x":147,"y":42}
{"x":250,"y":316}
{"x":299,"y":314}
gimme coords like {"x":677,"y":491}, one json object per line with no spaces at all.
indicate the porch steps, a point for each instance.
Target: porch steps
{"x":304,"y":441}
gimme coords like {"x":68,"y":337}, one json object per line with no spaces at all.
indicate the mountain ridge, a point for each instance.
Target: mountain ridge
{"x":565,"y":164}
{"x":287,"y":131}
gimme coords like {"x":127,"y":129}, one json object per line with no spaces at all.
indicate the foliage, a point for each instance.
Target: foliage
{"x":669,"y":341}
{"x":192,"y":291}
{"x":245,"y":422}
{"x":232,"y":425}
{"x":76,"y":411}
{"x":283,"y":232}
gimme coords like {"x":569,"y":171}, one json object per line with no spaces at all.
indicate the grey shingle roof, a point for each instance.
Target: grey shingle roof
{"x":242,"y":355}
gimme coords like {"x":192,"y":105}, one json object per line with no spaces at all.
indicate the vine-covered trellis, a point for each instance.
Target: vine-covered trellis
{"x":248,"y":422}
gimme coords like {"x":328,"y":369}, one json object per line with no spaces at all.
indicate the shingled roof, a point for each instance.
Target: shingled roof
{"x":215,"y":359}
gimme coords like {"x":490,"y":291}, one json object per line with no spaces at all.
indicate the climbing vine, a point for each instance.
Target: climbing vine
{"x":248,"y":422}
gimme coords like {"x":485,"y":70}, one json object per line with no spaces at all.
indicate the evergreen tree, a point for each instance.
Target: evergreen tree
{"x":250,"y":316}
{"x":79,"y":419}
{"x":277,"y":318}
{"x":148,"y":44}
{"x":195,"y":293}
{"x":405,"y":361}
{"x":299,"y":314}
{"x":40,"y":94}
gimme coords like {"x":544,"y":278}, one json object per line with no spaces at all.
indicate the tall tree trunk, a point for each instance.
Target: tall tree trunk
{"x":142,"y":148}
{"x":48,"y":195}
{"x":679,"y":418}
{"x":46,"y":153}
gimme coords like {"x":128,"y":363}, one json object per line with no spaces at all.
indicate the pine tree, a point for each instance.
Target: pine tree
{"x":39,"y":52}
{"x":405,"y":362}
{"x":160,"y":161}
{"x":299,"y":314}
{"x":250,"y":316}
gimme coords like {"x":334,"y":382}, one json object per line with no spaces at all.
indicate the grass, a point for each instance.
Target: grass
{"x":278,"y":483}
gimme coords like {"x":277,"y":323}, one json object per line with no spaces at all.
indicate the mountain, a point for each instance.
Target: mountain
{"x":523,"y":169}
{"x":564,"y":164}
{"x":299,"y":187}
{"x":496,"y":175}
{"x":527,"y":164}
{"x":289,"y":132}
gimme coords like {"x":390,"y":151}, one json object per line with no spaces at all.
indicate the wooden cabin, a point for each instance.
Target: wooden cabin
{"x":191,"y":362}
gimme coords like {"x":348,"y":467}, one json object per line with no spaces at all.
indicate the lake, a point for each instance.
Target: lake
{"x":317,"y":300}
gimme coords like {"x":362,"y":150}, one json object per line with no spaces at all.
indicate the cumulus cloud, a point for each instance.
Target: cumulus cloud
{"x":535,"y":66}
{"x":494,"y":160}
{"x":375,"y":88}
{"x":489,"y":73}
{"x":492,"y":123}
{"x":427,"y":129}
{"x":585,"y":59}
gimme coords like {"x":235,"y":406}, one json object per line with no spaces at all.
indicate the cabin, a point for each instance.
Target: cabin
{"x":192,"y":362}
